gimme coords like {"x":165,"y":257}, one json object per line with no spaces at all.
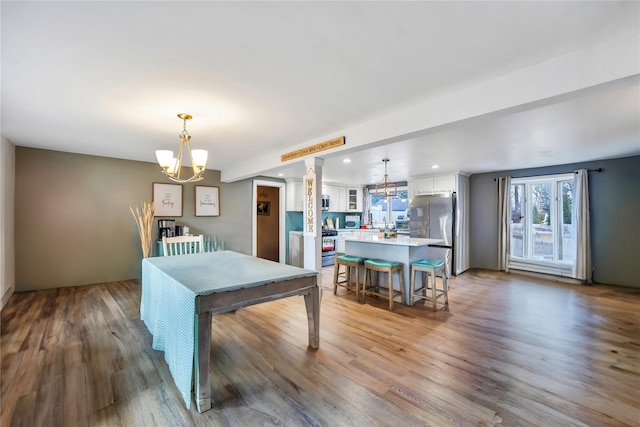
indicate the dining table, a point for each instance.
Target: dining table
{"x":181,"y":293}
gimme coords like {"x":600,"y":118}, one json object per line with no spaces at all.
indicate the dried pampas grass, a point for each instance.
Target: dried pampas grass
{"x":144,"y":221}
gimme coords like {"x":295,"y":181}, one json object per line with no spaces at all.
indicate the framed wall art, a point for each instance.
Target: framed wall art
{"x":167,"y":199}
{"x":264,"y":208}
{"x":207,"y":201}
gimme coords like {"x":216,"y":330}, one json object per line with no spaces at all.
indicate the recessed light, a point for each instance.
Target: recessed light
{"x":346,"y":160}
{"x":280,"y":174}
{"x":435,"y":166}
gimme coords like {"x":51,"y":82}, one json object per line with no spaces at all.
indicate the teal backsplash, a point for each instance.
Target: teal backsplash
{"x":295,"y":221}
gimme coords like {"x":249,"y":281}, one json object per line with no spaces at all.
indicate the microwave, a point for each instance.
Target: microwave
{"x":325,"y":202}
{"x":352,"y":221}
{"x":403,"y":227}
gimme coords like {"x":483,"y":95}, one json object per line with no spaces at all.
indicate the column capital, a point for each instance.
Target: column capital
{"x":314,"y":161}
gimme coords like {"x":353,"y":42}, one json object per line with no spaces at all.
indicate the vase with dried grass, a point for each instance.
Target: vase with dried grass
{"x":144,"y":222}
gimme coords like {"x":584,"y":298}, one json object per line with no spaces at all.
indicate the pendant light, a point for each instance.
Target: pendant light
{"x":386,"y":188}
{"x":172,"y":166}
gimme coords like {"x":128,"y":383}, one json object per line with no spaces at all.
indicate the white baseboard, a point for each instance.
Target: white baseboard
{"x":551,"y":277}
{"x":6,"y":297}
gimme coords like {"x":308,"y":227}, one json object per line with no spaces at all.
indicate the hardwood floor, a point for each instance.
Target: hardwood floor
{"x":510,"y":351}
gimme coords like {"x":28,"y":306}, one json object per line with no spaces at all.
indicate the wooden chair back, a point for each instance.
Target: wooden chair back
{"x":181,"y":245}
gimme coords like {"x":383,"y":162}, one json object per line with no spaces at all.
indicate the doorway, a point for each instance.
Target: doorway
{"x":269,"y":220}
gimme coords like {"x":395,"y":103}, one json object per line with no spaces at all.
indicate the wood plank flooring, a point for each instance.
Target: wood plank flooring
{"x":510,"y":351}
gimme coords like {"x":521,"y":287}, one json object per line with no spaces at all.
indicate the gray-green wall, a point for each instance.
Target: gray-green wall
{"x":7,"y":220}
{"x":614,"y":197}
{"x":73,"y":225}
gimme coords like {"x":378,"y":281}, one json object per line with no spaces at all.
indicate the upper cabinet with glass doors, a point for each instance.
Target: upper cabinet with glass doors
{"x":354,"y":199}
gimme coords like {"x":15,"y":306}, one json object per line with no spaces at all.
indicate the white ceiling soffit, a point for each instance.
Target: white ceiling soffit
{"x":472,"y":86}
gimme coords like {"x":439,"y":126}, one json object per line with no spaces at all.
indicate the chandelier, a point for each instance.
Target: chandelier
{"x":172,"y":166}
{"x":386,"y":188}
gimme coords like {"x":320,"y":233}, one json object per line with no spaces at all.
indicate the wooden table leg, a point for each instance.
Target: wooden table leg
{"x":312,"y":302}
{"x":203,"y":350}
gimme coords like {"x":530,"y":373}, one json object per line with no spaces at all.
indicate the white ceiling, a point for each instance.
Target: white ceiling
{"x":264,"y":78}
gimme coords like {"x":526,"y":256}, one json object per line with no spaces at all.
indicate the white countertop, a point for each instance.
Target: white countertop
{"x":397,"y":241}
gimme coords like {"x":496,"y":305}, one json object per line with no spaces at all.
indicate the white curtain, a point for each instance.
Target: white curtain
{"x":582,"y":265}
{"x":504,"y":222}
{"x":366,"y":200}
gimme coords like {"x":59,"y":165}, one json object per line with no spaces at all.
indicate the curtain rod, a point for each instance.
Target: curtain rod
{"x":531,"y":176}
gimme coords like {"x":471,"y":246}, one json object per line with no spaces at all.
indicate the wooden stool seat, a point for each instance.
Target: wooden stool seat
{"x":382,"y":266}
{"x":429,"y":268}
{"x":348,"y":262}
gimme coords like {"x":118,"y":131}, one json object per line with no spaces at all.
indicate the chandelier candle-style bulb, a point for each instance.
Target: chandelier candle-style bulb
{"x":172,"y":166}
{"x":165,"y":158}
{"x":199,"y":159}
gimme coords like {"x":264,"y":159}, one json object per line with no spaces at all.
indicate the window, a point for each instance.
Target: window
{"x":542,"y":230}
{"x":378,"y":207}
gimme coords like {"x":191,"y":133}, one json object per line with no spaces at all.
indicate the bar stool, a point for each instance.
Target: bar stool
{"x":348,"y":262}
{"x":382,"y":266}
{"x":340,"y":273}
{"x":433,"y":268}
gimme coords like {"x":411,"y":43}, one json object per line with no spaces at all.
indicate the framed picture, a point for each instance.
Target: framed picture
{"x":207,"y":201}
{"x":264,"y":208}
{"x":167,"y":199}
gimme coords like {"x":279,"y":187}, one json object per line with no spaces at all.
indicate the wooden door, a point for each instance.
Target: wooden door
{"x":268,"y":223}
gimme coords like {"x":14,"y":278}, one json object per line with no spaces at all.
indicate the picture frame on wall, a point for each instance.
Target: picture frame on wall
{"x":207,"y":200}
{"x":167,"y":199}
{"x":263,"y":208}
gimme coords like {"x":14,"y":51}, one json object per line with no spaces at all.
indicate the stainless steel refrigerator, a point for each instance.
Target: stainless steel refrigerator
{"x":433,"y":216}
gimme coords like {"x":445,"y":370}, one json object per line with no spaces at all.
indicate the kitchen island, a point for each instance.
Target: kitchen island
{"x":402,"y":249}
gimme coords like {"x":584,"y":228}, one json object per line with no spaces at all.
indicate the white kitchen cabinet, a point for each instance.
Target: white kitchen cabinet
{"x":342,"y":234}
{"x":337,"y":197}
{"x":420,"y":186}
{"x":432,"y":185}
{"x":444,"y":183}
{"x":353,"y":199}
{"x":334,"y":198}
{"x":341,"y":194}
{"x":296,"y":248}
{"x":295,"y":197}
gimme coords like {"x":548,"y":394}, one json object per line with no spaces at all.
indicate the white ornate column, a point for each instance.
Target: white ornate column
{"x":312,"y":189}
